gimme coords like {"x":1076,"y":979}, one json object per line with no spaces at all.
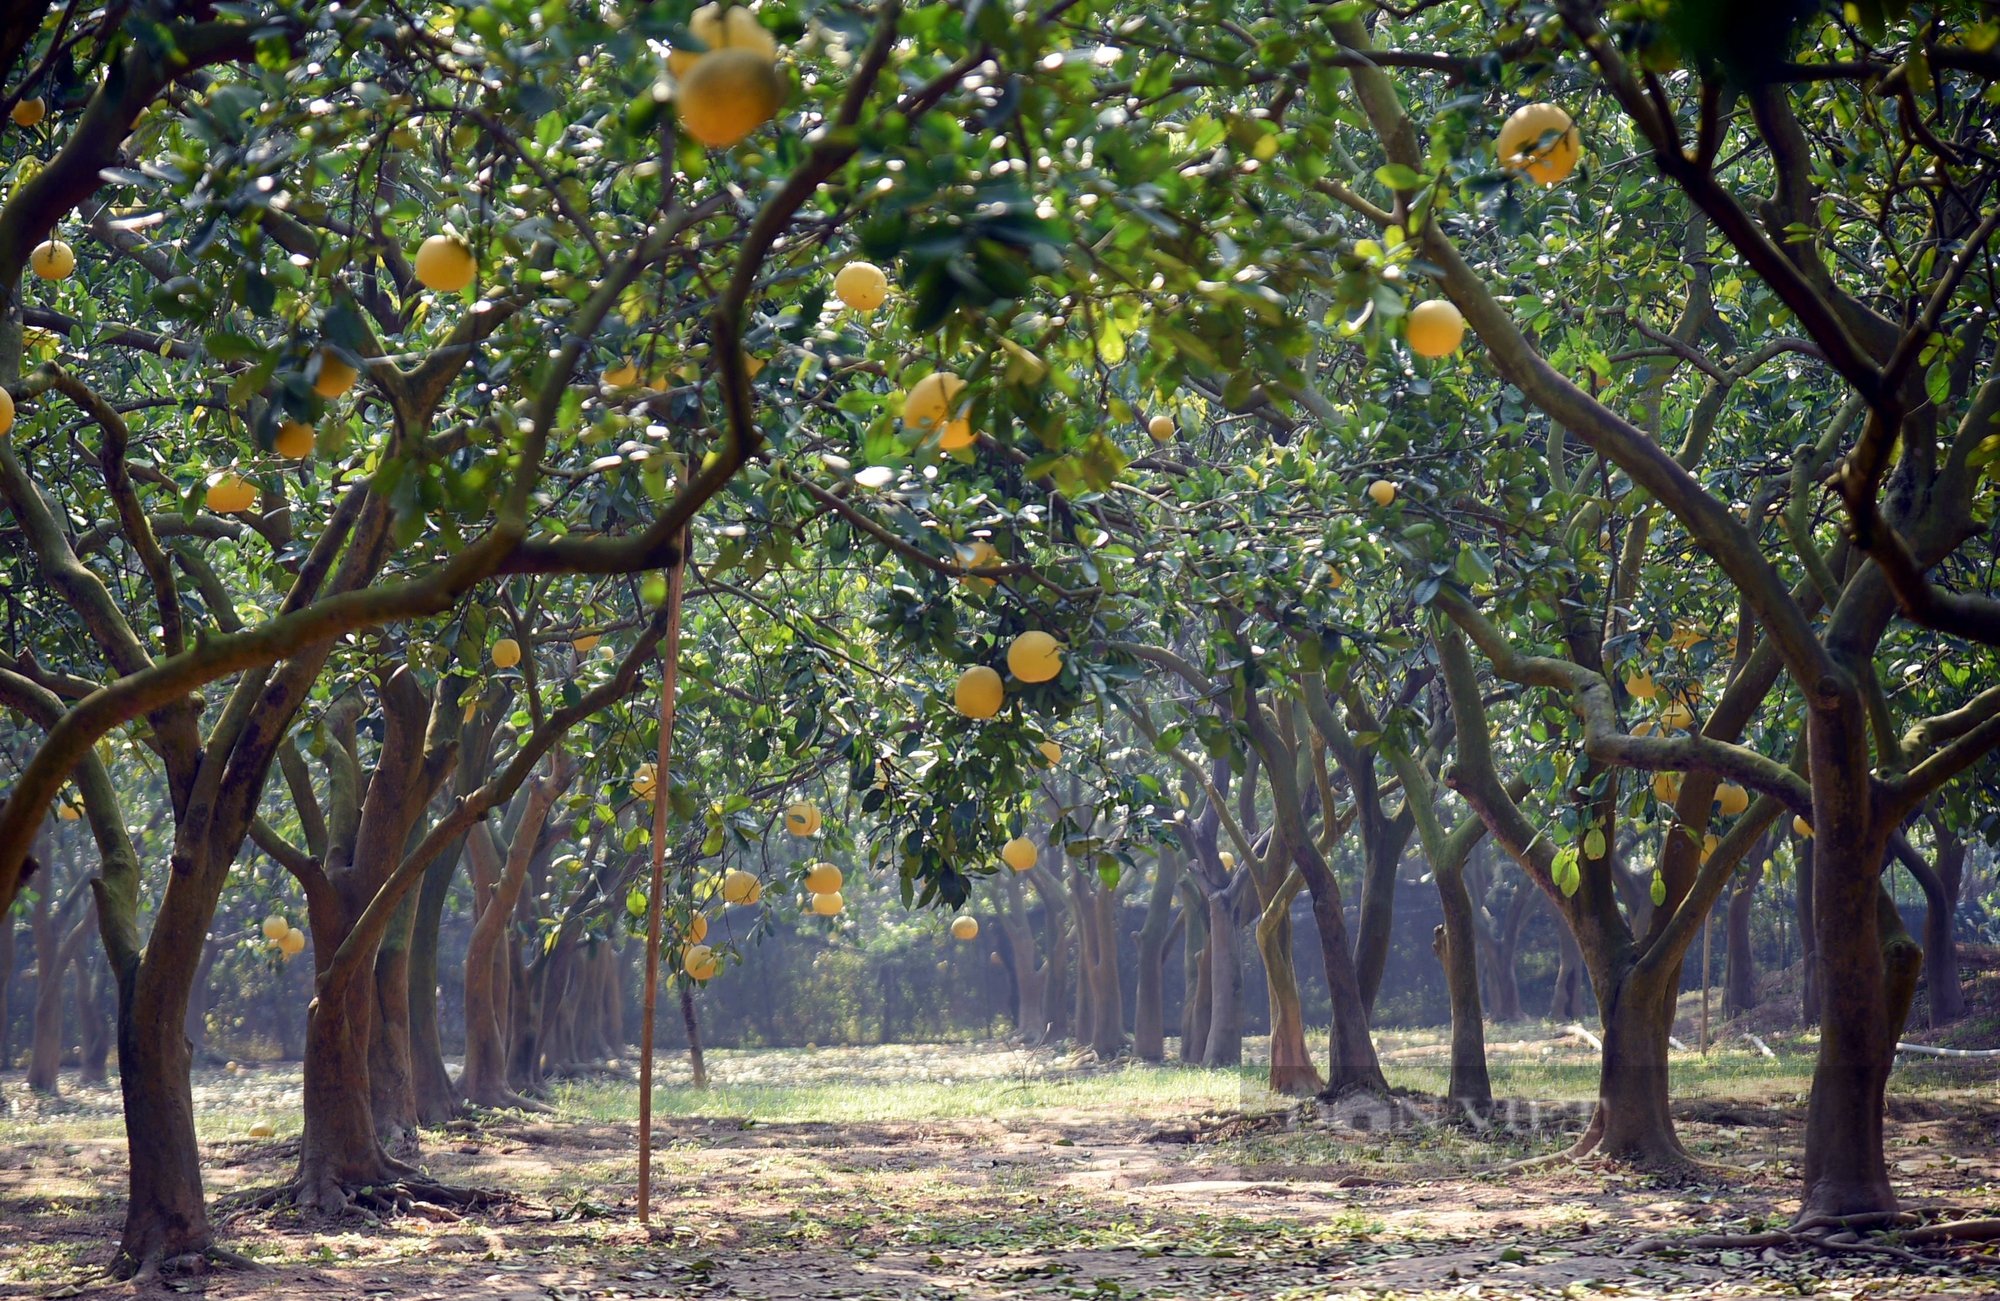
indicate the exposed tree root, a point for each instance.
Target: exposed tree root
{"x":157,"y":1263}
{"x":407,"y":1194}
{"x":1900,"y":1230}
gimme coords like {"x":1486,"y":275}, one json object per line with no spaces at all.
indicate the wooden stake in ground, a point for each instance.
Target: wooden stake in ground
{"x":670,"y":657}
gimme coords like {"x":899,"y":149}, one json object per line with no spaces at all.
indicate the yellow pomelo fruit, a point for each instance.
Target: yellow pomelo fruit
{"x":826,"y":905}
{"x":980,"y":693}
{"x":1667,"y":786}
{"x":1382,"y":492}
{"x":698,"y":929}
{"x":68,"y":812}
{"x":734,"y":28}
{"x":964,"y":928}
{"x":738,"y":886}
{"x":1733,"y":799}
{"x":6,"y":411}
{"x":445,"y":264}
{"x":262,"y":1129}
{"x":1641,"y":686}
{"x":292,"y":943}
{"x":1051,"y":751}
{"x":1708,"y":844}
{"x":982,"y":556}
{"x":1677,"y":716}
{"x":506,"y":653}
{"x":698,"y":960}
{"x":1160,"y":428}
{"x":29,"y":112}
{"x":727,"y":94}
{"x":1801,"y":827}
{"x":931,"y":401}
{"x":586,"y":644}
{"x":1644,"y":727}
{"x":1334,"y":578}
{"x":1034,"y":657}
{"x":294,"y":440}
{"x":862,"y":286}
{"x":52,"y":260}
{"x":623,"y":375}
{"x":1521,"y":149}
{"x":957,"y":434}
{"x":823,"y":878}
{"x":1228,"y":861}
{"x":756,"y":892}
{"x":276,"y":927}
{"x":231,"y":494}
{"x":335,"y":376}
{"x":802,"y":819}
{"x":1435,"y":328}
{"x":1020,"y":853}
{"x":645,"y":780}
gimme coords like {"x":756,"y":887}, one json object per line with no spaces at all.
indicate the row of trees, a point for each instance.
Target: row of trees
{"x":1679,"y":547}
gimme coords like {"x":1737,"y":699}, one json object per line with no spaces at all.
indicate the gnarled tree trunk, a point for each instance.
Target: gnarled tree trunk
{"x":1149,"y":1032}
{"x":1197,"y":986}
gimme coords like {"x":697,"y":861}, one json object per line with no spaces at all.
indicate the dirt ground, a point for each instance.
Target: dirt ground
{"x":1140,"y":1185}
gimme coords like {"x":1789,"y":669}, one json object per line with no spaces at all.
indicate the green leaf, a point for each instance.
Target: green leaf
{"x":1398,"y":177}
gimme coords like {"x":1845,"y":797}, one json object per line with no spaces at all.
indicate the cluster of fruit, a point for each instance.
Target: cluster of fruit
{"x":280,"y":934}
{"x":731,"y":88}
{"x":1033,"y":657}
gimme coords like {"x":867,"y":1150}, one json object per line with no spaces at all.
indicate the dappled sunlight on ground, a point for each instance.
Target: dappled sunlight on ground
{"x":991,"y":1172}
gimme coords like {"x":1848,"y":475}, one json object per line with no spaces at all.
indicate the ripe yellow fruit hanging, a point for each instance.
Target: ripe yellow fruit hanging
{"x":727,"y":94}
{"x":445,"y":264}
{"x":802,"y":819}
{"x":983,"y":556}
{"x":698,"y":928}
{"x":293,"y":943}
{"x":277,"y":926}
{"x":1228,"y":861}
{"x":1020,"y":854}
{"x":623,"y":375}
{"x":826,"y":905}
{"x":1641,"y":686}
{"x":335,"y":376}
{"x":1677,"y":716}
{"x":1667,"y":786}
{"x":1733,"y":799}
{"x":586,"y":644}
{"x":738,"y":886}
{"x":1382,"y":492}
{"x":1520,"y":146}
{"x":957,"y":435}
{"x":294,"y":441}
{"x":965,"y":928}
{"x":1435,"y":328}
{"x":1708,"y":844}
{"x":52,"y":260}
{"x":980,"y":692}
{"x":29,"y":112}
{"x":1051,"y":751}
{"x":68,"y":812}
{"x":1160,"y":428}
{"x":231,"y":494}
{"x":698,"y":960}
{"x":6,"y":411}
{"x":646,"y":781}
{"x":506,"y":653}
{"x":733,"y":28}
{"x":861,"y":286}
{"x":1801,"y":827}
{"x":1034,"y":657}
{"x":823,"y":878}
{"x":931,"y":401}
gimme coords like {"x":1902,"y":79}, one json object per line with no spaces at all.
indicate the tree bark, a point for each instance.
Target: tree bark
{"x":198,"y":999}
{"x":1739,"y":981}
{"x":1149,"y":1031}
{"x":1292,"y":1068}
{"x":696,"y":1062}
{"x":437,"y":1096}
{"x":1225,"y":975}
{"x":55,"y":950}
{"x":1802,"y":874}
{"x":1946,"y":996}
{"x":94,"y":1016}
{"x":1566,"y":1000}
{"x":391,"y":1076}
{"x":487,"y":970}
{"x":1197,"y":984}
